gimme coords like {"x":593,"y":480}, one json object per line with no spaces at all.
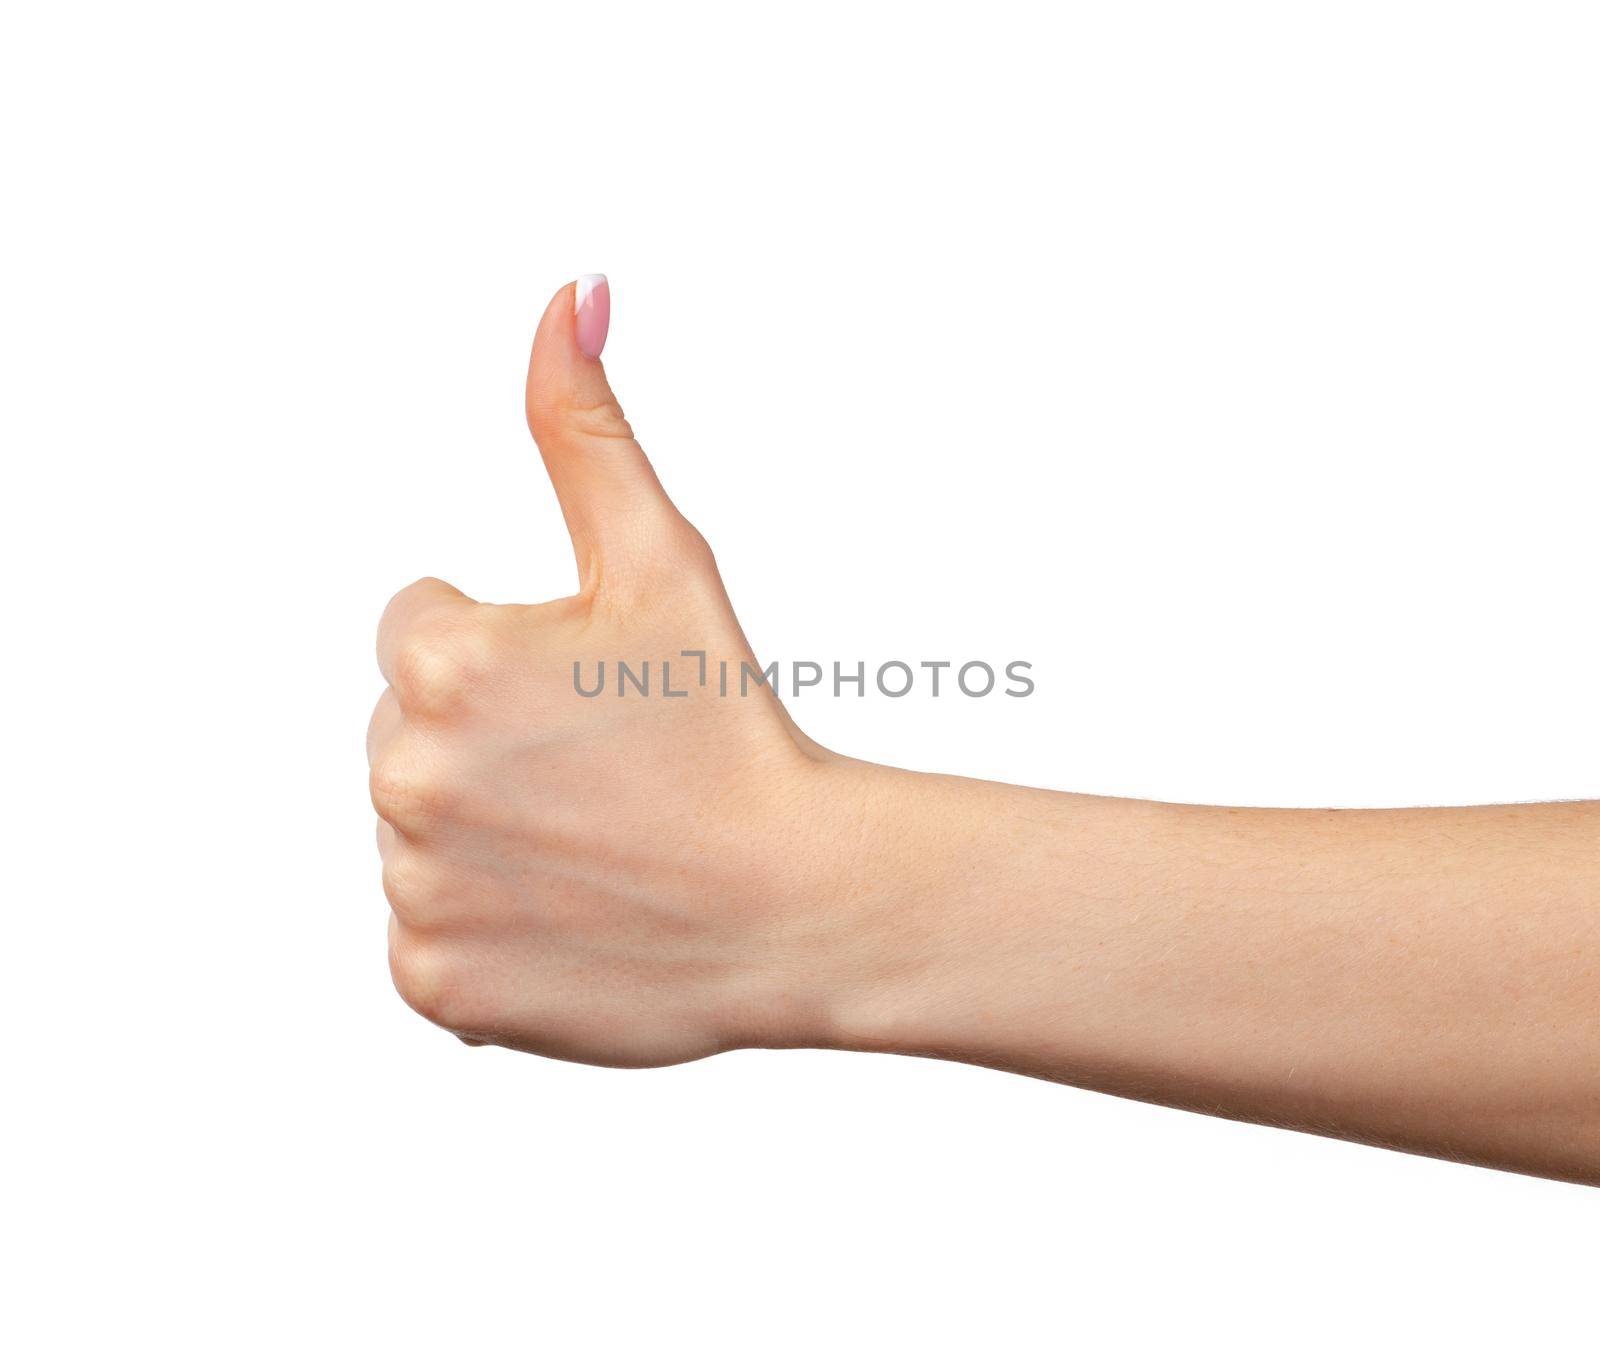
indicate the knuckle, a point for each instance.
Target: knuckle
{"x":412,"y":890}
{"x":600,"y":421}
{"x":431,"y":675}
{"x":553,"y":417}
{"x":430,"y":980}
{"x":675,"y":551}
{"x":696,"y":551}
{"x":406,"y":796}
{"x":443,"y":669}
{"x":420,"y":594}
{"x":689,"y":547}
{"x":375,"y":726}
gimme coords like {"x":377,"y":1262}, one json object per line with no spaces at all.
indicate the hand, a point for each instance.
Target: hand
{"x":626,"y":879}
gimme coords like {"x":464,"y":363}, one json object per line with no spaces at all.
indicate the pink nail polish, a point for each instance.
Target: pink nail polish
{"x":592,"y":314}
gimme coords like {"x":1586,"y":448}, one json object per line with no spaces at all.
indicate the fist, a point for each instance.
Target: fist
{"x":629,"y":876}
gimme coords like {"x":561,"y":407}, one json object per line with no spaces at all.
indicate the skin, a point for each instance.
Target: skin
{"x":639,"y":881}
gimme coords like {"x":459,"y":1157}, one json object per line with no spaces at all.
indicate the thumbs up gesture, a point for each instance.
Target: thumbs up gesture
{"x":628,"y":875}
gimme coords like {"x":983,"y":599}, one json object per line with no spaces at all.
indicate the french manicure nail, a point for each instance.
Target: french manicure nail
{"x":592,"y":314}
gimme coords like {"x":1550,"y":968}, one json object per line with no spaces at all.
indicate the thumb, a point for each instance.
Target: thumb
{"x":612,"y":501}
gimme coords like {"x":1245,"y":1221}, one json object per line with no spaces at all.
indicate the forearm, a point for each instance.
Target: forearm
{"x":1426,"y":979}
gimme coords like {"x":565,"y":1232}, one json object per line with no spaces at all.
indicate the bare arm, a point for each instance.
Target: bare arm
{"x":638,"y":879}
{"x":1424,"y":979}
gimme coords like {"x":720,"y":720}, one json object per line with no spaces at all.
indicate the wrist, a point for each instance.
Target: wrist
{"x":966,"y":914}
{"x":834,"y":886}
{"x":900,"y":873}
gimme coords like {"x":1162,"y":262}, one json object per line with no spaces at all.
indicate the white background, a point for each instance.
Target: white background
{"x":1235,"y":363}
